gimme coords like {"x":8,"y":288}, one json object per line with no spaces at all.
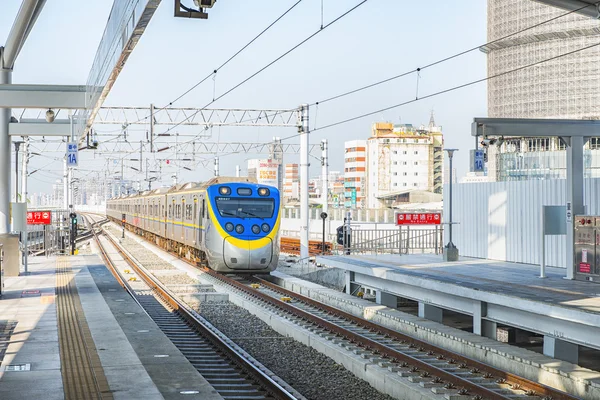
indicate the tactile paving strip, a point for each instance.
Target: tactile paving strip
{"x":82,"y":373}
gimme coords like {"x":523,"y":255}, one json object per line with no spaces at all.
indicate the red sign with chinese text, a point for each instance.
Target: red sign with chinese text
{"x":418,"y":219}
{"x":585,"y":268}
{"x":39,"y":217}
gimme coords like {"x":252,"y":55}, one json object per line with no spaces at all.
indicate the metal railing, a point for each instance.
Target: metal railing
{"x":50,"y":239}
{"x":403,"y":240}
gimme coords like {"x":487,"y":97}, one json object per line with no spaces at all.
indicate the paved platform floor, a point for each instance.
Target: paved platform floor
{"x":490,"y":291}
{"x":124,"y":336}
{"x":519,"y":280}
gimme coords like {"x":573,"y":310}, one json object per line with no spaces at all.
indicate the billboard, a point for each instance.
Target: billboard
{"x":265,"y":171}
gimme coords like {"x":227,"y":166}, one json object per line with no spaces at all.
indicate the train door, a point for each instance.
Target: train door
{"x":201,"y":220}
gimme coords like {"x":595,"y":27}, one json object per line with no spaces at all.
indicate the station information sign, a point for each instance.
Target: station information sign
{"x":39,"y":217}
{"x":418,"y":218}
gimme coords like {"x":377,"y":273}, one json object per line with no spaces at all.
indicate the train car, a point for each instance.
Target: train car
{"x":230,"y":224}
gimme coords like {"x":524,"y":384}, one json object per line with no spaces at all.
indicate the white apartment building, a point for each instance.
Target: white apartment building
{"x":355,"y":162}
{"x":401,"y":159}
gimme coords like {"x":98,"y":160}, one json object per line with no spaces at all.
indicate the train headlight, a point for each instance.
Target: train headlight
{"x":224,"y":190}
{"x":229,"y":226}
{"x":255,"y":229}
{"x":263,"y":192}
{"x":239,"y":229}
{"x":265,"y":227}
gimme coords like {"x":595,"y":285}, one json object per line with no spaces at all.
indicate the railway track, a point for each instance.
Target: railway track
{"x":444,"y":372}
{"x":449,"y":374}
{"x":233,"y":374}
{"x":292,"y":246}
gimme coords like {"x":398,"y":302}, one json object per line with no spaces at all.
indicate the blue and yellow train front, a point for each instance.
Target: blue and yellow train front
{"x":242,"y":229}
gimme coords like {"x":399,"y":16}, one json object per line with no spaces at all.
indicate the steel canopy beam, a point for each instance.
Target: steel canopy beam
{"x":24,"y":21}
{"x":522,"y":127}
{"x":590,"y":11}
{"x":126,"y":24}
{"x":60,"y":127}
{"x":42,"y":96}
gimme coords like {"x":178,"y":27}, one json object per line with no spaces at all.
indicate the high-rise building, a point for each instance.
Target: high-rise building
{"x":355,"y":163}
{"x":291,"y":183}
{"x":565,"y":87}
{"x":401,"y":159}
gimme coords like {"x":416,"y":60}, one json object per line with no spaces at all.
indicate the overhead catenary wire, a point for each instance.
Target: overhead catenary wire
{"x":269,"y":64}
{"x":214,"y":72}
{"x":457,"y":87}
{"x":442,"y":60}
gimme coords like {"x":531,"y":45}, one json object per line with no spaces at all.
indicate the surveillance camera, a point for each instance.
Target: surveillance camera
{"x":50,"y":115}
{"x":94,"y":143}
{"x":485,"y":142}
{"x":204,"y":3}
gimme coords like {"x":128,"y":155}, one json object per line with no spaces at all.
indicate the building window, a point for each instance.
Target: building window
{"x":416,"y":173}
{"x":395,"y":162}
{"x":404,"y":152}
{"x":404,"y":173}
{"x":395,"y":174}
{"x":395,"y":184}
{"x":395,"y":152}
{"x":404,"y":163}
{"x":416,"y":152}
{"x":416,"y":163}
{"x":414,"y":184}
{"x":404,"y":184}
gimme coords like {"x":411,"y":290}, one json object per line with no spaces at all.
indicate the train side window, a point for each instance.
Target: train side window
{"x":195,"y":211}
{"x":203,"y":206}
{"x":169,"y":211}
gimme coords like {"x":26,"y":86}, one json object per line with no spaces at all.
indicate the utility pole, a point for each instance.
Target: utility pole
{"x":450,"y":251}
{"x":16,"y":192}
{"x":65,"y":176}
{"x":25,"y":237}
{"x":237,"y":171}
{"x":325,"y":190}
{"x":151,"y":128}
{"x":304,"y":164}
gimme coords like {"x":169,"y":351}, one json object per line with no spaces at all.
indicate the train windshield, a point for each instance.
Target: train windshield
{"x":245,"y":208}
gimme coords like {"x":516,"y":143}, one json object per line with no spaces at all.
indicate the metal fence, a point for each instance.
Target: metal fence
{"x":403,"y":240}
{"x":50,"y":239}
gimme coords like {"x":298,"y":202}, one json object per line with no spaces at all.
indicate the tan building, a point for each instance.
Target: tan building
{"x":401,"y":159}
{"x":291,"y":183}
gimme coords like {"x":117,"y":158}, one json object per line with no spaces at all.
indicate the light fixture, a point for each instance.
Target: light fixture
{"x":50,"y":115}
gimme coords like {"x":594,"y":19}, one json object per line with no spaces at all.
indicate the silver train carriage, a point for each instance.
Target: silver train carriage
{"x":231,"y":224}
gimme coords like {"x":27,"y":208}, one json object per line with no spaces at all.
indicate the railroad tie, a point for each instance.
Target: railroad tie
{"x":81,"y":369}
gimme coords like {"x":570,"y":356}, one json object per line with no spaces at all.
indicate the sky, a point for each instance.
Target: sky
{"x":379,"y":39}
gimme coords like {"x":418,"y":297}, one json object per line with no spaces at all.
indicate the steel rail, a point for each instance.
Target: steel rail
{"x":508,"y":377}
{"x":266,"y":382}
{"x":513,"y":380}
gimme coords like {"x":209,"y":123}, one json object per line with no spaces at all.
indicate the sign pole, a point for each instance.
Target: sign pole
{"x":450,"y":251}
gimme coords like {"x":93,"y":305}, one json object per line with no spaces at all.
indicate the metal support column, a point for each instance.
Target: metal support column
{"x":65,"y":180}
{"x":15,"y":198}
{"x":450,"y":251}
{"x":325,"y":172}
{"x":24,"y":237}
{"x":237,"y":171}
{"x":216,"y":166}
{"x":304,"y":164}
{"x":574,"y":194}
{"x":5,"y":78}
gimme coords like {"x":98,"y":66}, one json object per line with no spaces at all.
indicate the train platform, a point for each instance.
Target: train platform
{"x":68,"y":330}
{"x":565,"y":312}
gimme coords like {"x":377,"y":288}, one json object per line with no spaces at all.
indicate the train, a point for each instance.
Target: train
{"x":229,"y":224}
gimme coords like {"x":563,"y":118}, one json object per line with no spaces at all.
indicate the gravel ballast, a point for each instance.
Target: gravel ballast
{"x":311,"y":373}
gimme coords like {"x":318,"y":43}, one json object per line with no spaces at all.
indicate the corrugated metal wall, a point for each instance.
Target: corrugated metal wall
{"x":502,"y":220}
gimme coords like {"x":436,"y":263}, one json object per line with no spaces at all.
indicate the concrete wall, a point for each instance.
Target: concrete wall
{"x":501,"y":220}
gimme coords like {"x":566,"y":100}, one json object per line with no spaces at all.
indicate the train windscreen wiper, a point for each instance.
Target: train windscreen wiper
{"x":251,"y":214}
{"x":228,"y":213}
